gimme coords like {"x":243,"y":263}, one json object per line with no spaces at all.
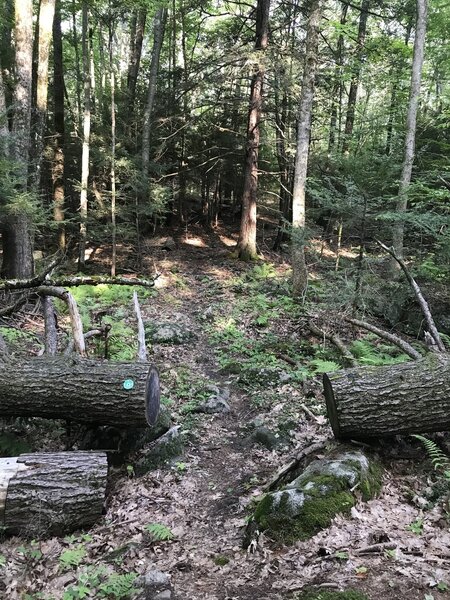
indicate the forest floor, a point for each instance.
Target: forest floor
{"x":243,"y":323}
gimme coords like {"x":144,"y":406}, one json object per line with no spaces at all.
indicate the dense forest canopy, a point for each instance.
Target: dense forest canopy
{"x":120,"y":117}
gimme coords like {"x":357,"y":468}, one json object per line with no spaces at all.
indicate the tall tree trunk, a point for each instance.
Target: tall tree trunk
{"x":113,"y":149}
{"x":58,"y":109}
{"x":158,"y":37}
{"x":299,"y":269}
{"x":136,"y":38}
{"x":17,"y":236}
{"x":410,"y":138}
{"x":76,"y":48}
{"x":86,"y":137}
{"x":336,"y":92}
{"x":354,"y":83}
{"x":246,"y":246}
{"x":46,"y":15}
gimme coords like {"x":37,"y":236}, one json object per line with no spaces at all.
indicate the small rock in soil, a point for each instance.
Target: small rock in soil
{"x":168,"y":333}
{"x":215,"y":404}
{"x":155,"y":585}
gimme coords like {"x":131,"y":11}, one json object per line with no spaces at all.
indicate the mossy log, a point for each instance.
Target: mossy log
{"x":101,"y":392}
{"x":372,"y":402}
{"x":52,"y":494}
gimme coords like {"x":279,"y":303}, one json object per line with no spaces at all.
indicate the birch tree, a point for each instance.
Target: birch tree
{"x":410,"y":138}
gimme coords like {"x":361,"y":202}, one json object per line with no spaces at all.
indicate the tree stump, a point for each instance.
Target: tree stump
{"x":371,"y":402}
{"x":52,"y":494}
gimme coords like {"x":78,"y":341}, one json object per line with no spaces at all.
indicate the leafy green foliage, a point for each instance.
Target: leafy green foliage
{"x":99,"y":582}
{"x":440,"y":461}
{"x":72,"y":557}
{"x":159,"y":532}
{"x":369,"y":353}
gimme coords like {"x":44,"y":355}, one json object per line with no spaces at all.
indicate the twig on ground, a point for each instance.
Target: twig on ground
{"x":293,"y":464}
{"x":336,"y":340}
{"x":377,"y":548}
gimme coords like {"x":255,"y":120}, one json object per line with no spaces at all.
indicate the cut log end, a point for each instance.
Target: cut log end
{"x":331,"y":406}
{"x":152,"y":397}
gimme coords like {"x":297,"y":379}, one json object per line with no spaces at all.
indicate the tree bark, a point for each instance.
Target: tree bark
{"x":354,"y":83}
{"x":371,"y":402}
{"x":44,"y":495}
{"x":17,"y":236}
{"x":299,"y":269}
{"x":86,"y":138}
{"x":410,"y":139}
{"x":246,"y":246}
{"x":158,"y":37}
{"x":120,"y":394}
{"x":136,"y":38}
{"x":46,"y":15}
{"x":59,"y":125}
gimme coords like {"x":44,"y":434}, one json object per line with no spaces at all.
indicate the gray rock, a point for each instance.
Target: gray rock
{"x":217,"y":403}
{"x":165,"y":595}
{"x":154,"y":585}
{"x":267,"y":438}
{"x":168,"y":244}
{"x":168,"y":333}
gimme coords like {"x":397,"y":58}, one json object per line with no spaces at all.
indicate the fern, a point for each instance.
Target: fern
{"x":118,"y":586}
{"x":159,"y":533}
{"x":439,"y":460}
{"x":324,"y":366}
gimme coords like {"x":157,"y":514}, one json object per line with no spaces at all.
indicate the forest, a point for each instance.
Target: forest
{"x":224,"y":307}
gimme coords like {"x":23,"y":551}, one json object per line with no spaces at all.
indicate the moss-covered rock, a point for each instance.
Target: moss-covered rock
{"x":330,"y":595}
{"x":309,"y":503}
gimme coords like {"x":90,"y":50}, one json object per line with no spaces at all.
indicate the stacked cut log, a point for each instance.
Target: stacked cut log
{"x":42,"y":495}
{"x":107,"y":393}
{"x":370,"y":402}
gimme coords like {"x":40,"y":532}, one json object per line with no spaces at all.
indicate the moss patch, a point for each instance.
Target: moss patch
{"x":294,"y":514}
{"x":309,"y":503}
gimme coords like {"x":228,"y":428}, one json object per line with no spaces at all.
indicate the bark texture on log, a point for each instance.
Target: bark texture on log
{"x":52,"y":494}
{"x":89,"y":391}
{"x":370,"y":402}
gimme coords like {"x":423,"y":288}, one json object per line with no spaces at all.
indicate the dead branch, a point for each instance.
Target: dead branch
{"x":293,"y":464}
{"x":11,"y":308}
{"x":420,"y":298}
{"x":142,"y":350}
{"x":336,"y":340}
{"x":377,"y":548}
{"x":75,"y":319}
{"x":101,"y":332}
{"x":51,"y":337}
{"x":66,"y":281}
{"x":385,"y":335}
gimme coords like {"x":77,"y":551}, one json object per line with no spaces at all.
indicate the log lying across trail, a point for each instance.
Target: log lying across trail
{"x":52,"y":494}
{"x":369,"y":402}
{"x":101,"y":392}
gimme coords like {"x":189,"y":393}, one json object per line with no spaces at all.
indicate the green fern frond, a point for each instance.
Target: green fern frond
{"x":439,"y":459}
{"x":159,"y":532}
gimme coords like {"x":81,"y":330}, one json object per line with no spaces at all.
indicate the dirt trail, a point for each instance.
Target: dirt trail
{"x":204,"y":496}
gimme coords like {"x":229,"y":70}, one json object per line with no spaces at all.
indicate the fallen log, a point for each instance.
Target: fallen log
{"x":371,"y":402}
{"x":88,"y":391}
{"x":52,"y":494}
